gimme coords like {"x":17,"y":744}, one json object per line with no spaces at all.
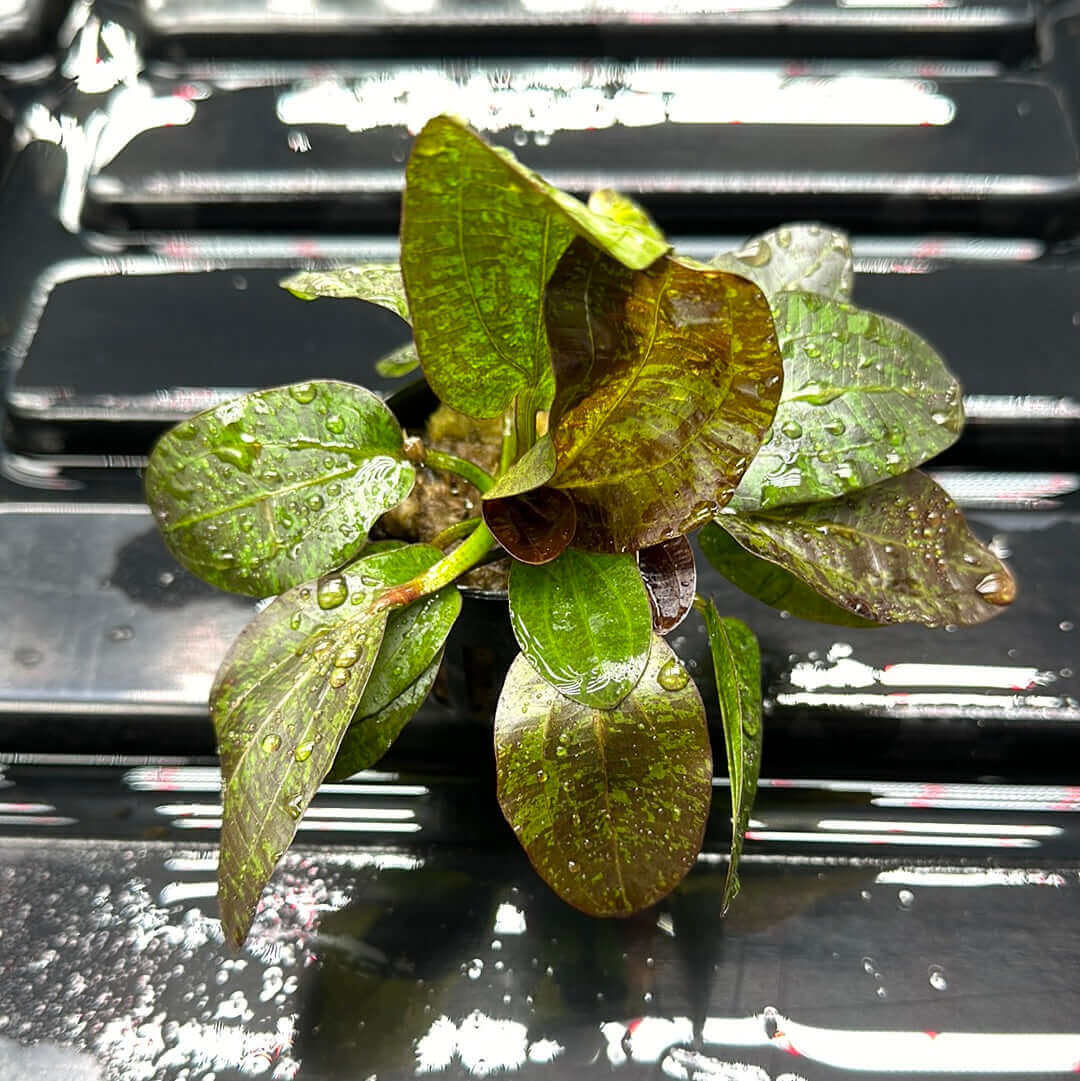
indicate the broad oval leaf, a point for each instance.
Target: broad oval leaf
{"x":899,"y":552}
{"x":280,"y":704}
{"x":480,"y":236}
{"x":623,"y":210}
{"x":583,"y":622}
{"x":377,"y":283}
{"x":533,"y":527}
{"x":864,"y":399}
{"x":670,"y":576}
{"x":800,"y":257}
{"x":667,"y":380}
{"x":532,"y":470}
{"x":371,"y":736}
{"x":277,"y":487}
{"x":609,"y":805}
{"x":768,"y":582}
{"x":398,"y":363}
{"x":737,"y":666}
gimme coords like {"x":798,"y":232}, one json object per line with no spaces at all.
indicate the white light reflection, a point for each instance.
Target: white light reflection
{"x":205,"y":809}
{"x":208,"y":779}
{"x":311,"y":825}
{"x":846,"y":671}
{"x":484,"y":1045}
{"x":907,"y":840}
{"x":967,"y":877}
{"x":972,"y":828}
{"x":509,"y":920}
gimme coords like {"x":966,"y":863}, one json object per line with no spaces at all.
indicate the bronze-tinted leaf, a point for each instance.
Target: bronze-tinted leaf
{"x":667,"y":378}
{"x":670,"y":576}
{"x":534,"y":526}
{"x":623,"y":210}
{"x":609,"y":804}
{"x":377,"y":283}
{"x":899,"y":552}
{"x":533,"y":469}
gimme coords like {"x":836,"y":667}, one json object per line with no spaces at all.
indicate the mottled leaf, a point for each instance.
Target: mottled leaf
{"x":803,"y":258}
{"x":899,"y":552}
{"x":533,"y":527}
{"x":610,"y":805}
{"x":369,"y":738}
{"x":377,"y":283}
{"x":670,"y":576}
{"x":281,"y":703}
{"x":737,"y":664}
{"x":583,"y":622}
{"x":480,"y":236}
{"x":667,"y":380}
{"x":623,"y":210}
{"x":769,"y":582}
{"x":277,"y":487}
{"x":401,"y":362}
{"x":532,"y":470}
{"x":864,"y":399}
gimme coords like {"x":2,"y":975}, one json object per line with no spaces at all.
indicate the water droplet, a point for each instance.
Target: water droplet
{"x":295,"y":806}
{"x":271,"y":742}
{"x":475,"y":969}
{"x":335,"y":424}
{"x":905,"y":898}
{"x":866,"y":895}
{"x":123,"y":633}
{"x":998,"y":587}
{"x":331,"y":592}
{"x":295,"y":620}
{"x":672,"y":676}
{"x":868,"y":965}
{"x":882,"y":993}
{"x":783,"y":238}
{"x":757,"y":253}
{"x":1066,"y":625}
{"x":302,"y":752}
{"x":571,"y":866}
{"x":650,"y":962}
{"x":937,"y":978}
{"x":338,"y":678}
{"x":541,"y":776}
{"x":304,"y":393}
{"x":791,"y":428}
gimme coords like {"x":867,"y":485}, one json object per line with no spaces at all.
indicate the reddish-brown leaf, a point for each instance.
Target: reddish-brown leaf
{"x":670,"y":577}
{"x":534,"y":527}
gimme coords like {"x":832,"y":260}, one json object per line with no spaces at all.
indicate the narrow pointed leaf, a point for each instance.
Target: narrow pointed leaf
{"x":480,"y":236}
{"x":667,"y":380}
{"x":377,"y":283}
{"x":670,"y":576}
{"x":532,"y":470}
{"x":610,"y":805}
{"x":534,"y":527}
{"x":737,"y":665}
{"x":623,"y":210}
{"x":899,"y":552}
{"x":800,"y":257}
{"x":277,"y":487}
{"x":769,"y":582}
{"x":281,"y":704}
{"x":864,"y":399}
{"x":583,"y":622}
{"x":370,"y":737}
{"x":399,"y":363}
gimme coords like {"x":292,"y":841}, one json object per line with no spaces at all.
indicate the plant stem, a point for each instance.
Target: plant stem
{"x":453,"y":532}
{"x":450,"y":463}
{"x":450,"y":567}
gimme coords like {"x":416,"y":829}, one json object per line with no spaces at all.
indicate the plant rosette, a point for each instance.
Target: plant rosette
{"x":643,"y":396}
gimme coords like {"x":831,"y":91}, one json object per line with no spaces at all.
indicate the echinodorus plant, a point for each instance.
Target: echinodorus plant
{"x":636,"y":396}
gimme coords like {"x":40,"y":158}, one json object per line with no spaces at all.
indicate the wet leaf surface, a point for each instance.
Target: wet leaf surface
{"x":532,"y":470}
{"x":864,"y":399}
{"x":770,"y":583}
{"x":274,"y":488}
{"x":533,"y":527}
{"x":899,"y":552}
{"x":660,"y":406}
{"x":583,"y":622}
{"x":623,"y":210}
{"x":401,"y":362}
{"x":801,"y":257}
{"x":609,"y":805}
{"x":377,"y":283}
{"x":670,"y":576}
{"x":737,"y":666}
{"x":480,"y":236}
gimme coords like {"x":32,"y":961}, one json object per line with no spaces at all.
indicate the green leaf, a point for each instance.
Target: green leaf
{"x":281,"y":704}
{"x":532,"y":470}
{"x":377,"y":283}
{"x":864,"y":399}
{"x":769,"y":583}
{"x":667,"y":380}
{"x":369,"y":738}
{"x":480,"y":236}
{"x":899,"y":552}
{"x":277,"y":487}
{"x":803,"y":258}
{"x":398,"y":363}
{"x":583,"y":622}
{"x":623,"y":210}
{"x":737,"y":664}
{"x":610,"y":805}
